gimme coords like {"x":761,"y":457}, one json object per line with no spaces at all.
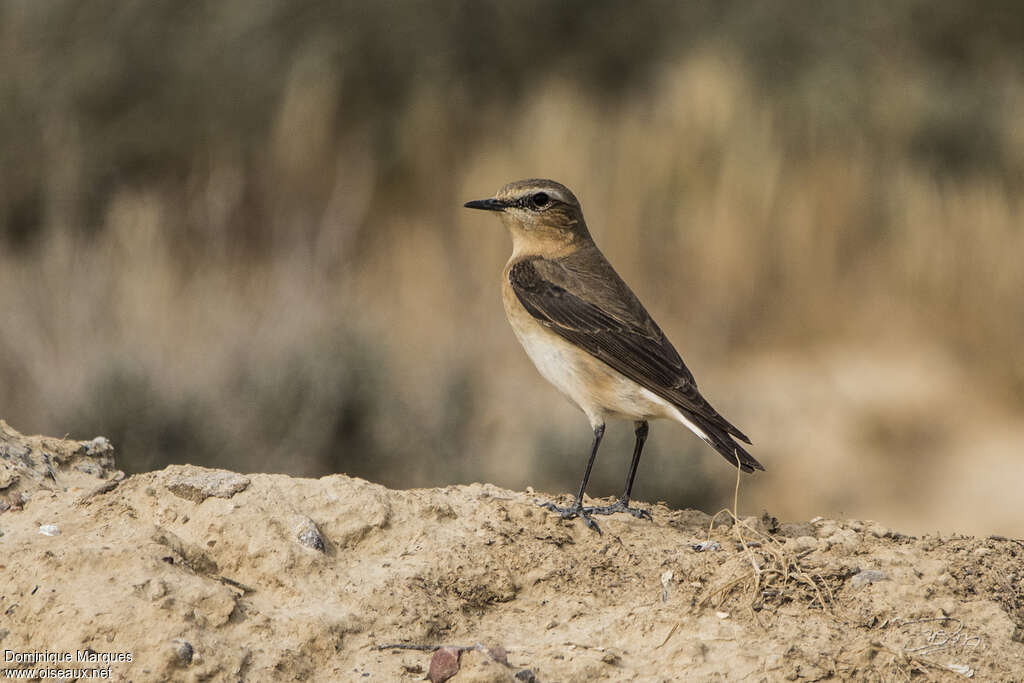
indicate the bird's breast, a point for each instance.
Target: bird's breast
{"x":590,"y":384}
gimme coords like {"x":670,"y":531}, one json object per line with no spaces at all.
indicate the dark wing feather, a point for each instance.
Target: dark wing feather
{"x":628,"y":340}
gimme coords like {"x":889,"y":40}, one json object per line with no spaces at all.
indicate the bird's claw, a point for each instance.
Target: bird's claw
{"x":572,"y":512}
{"x":620,"y":506}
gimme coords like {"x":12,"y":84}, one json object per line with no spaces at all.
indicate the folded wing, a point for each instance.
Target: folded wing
{"x":602,"y":316}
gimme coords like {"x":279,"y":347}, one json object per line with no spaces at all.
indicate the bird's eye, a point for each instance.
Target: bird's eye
{"x":540,"y":200}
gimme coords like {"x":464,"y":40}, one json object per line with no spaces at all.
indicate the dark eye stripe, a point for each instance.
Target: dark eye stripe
{"x":530,"y":201}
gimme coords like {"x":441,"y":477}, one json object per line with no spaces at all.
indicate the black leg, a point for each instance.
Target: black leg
{"x":598,"y":435}
{"x":623,"y":504}
{"x":577,"y":509}
{"x":641,"y":438}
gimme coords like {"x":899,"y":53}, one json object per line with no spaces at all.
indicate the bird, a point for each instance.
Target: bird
{"x":588,"y":334}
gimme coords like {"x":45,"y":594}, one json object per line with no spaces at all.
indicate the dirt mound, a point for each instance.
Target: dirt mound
{"x":198,"y":574}
{"x":31,"y":463}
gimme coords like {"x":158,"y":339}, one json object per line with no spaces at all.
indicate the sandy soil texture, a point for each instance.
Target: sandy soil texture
{"x":201,"y":574}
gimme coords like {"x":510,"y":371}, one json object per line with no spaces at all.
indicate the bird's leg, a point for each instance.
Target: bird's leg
{"x":577,"y":509}
{"x":623,"y":503}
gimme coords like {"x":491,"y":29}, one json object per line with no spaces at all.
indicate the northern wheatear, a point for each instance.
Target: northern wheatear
{"x":590,"y":336}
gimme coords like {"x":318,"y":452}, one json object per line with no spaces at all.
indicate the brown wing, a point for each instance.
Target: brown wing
{"x":627,"y":339}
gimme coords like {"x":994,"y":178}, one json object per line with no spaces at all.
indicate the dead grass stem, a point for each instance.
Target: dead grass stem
{"x":769,"y":564}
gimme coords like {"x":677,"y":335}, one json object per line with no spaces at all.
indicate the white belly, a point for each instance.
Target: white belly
{"x":591,"y":385}
{"x":594,"y":387}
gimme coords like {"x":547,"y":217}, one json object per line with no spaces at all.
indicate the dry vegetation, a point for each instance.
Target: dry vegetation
{"x":233,"y":237}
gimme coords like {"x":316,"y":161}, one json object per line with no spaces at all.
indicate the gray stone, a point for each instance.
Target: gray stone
{"x":307,"y":533}
{"x":867,"y":577}
{"x":197,"y":484}
{"x":183,"y":651}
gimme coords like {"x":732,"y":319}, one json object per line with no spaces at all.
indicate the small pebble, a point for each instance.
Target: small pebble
{"x":443,"y":665}
{"x":307,"y":533}
{"x":878,"y":531}
{"x":666,"y":580}
{"x":868,"y":576}
{"x":97,"y":446}
{"x":802,"y":543}
{"x":182,"y":651}
{"x":197,"y":484}
{"x":706,"y":546}
{"x":156,"y":590}
{"x":844,"y":540}
{"x":499,"y":654}
{"x":526,"y":676}
{"x":827,"y":528}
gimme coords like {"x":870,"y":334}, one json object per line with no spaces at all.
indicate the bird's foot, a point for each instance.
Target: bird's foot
{"x":576,"y":510}
{"x":622,"y":505}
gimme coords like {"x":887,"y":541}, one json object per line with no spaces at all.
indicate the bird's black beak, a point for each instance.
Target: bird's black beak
{"x":486,"y":204}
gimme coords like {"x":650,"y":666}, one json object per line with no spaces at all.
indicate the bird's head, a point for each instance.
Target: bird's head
{"x":544,"y":217}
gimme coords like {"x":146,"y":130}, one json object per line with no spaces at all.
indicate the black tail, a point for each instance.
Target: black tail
{"x":723,"y":442}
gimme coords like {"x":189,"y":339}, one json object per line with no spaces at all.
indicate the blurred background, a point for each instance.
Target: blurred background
{"x":231,"y":234}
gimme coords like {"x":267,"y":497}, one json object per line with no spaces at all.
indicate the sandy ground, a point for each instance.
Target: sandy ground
{"x":198,"y":574}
